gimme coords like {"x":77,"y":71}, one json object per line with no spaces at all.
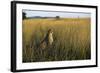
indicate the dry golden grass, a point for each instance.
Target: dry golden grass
{"x":71,"y":39}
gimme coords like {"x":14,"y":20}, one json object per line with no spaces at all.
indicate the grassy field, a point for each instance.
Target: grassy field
{"x":71,"y":39}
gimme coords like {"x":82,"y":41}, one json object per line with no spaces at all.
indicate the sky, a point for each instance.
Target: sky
{"x":32,"y":13}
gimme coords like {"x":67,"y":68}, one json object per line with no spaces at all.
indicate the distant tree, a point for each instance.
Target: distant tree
{"x":57,"y":17}
{"x":24,"y":15}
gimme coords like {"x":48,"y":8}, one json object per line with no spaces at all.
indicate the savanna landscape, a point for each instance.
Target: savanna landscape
{"x":71,"y":39}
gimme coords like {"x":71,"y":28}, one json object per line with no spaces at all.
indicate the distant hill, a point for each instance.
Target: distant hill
{"x":33,"y":17}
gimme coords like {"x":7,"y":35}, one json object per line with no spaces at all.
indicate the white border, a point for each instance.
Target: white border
{"x":37,"y":65}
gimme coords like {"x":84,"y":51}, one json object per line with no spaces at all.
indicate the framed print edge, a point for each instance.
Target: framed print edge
{"x":14,"y":34}
{"x":96,"y":36}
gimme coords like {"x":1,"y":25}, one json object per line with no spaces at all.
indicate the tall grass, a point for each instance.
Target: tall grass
{"x":71,"y":39}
